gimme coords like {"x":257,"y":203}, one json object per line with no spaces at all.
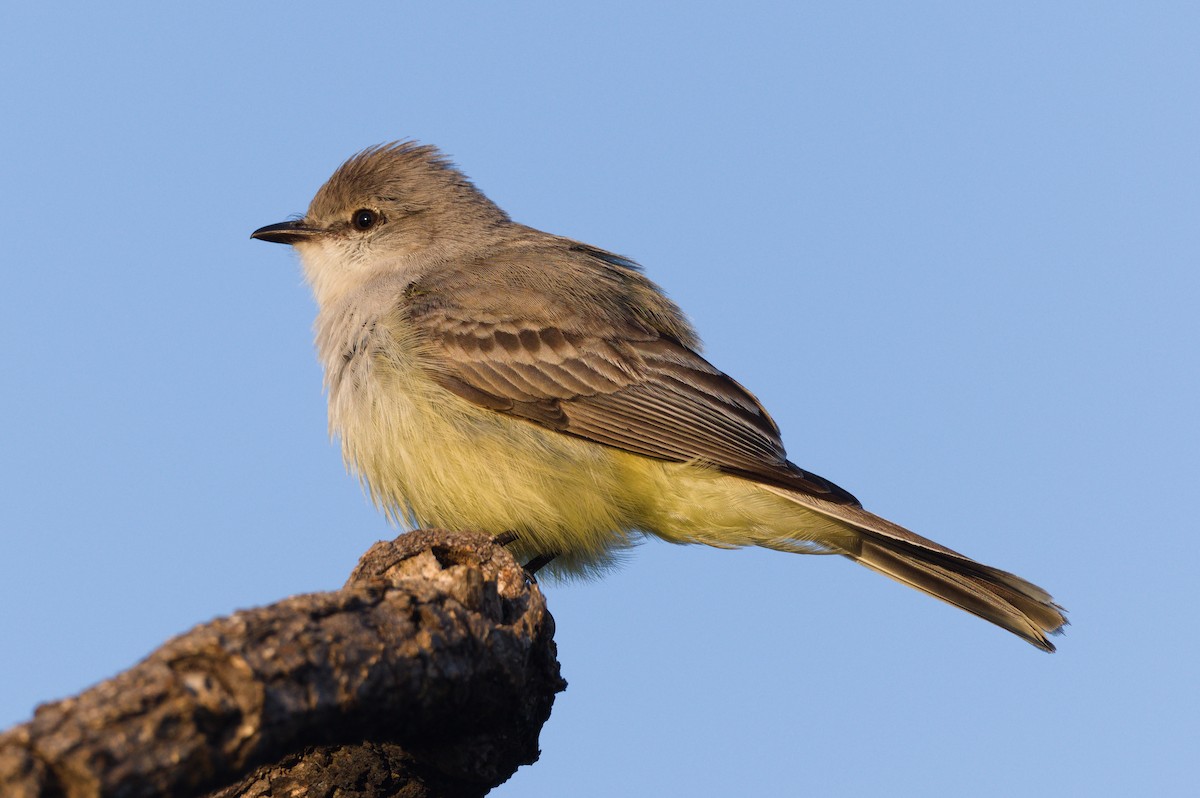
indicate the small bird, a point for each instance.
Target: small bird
{"x":484,"y":375}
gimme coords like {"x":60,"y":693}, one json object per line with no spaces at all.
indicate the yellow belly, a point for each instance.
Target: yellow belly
{"x":433,"y":459}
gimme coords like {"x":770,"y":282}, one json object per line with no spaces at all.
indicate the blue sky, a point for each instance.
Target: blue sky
{"x":954,"y":248}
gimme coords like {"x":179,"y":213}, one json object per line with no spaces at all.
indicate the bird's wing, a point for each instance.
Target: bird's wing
{"x":628,"y":387}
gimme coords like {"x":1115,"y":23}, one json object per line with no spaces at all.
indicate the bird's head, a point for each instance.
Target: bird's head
{"x":400,"y":207}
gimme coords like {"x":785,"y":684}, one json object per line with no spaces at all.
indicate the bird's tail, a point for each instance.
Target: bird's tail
{"x":1006,"y":600}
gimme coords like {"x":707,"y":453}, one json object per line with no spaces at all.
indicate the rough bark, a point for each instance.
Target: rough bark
{"x":430,"y":673}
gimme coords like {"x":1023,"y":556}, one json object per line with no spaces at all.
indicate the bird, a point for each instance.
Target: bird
{"x":485,"y":375}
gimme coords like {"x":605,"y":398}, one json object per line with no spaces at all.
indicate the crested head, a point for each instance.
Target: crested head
{"x":404,"y":175}
{"x":399,"y":207}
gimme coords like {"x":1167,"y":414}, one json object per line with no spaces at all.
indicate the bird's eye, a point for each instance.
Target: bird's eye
{"x":364,"y":219}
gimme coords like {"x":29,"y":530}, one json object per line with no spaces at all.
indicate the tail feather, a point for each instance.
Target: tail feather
{"x":987,"y":592}
{"x":1005,"y":599}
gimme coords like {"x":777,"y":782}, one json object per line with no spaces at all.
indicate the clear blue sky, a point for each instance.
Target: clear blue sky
{"x":953,"y":247}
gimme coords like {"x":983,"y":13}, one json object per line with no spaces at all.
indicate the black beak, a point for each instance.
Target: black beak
{"x":285,"y":233}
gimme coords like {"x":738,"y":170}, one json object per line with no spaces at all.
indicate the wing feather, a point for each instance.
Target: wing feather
{"x":607,"y":377}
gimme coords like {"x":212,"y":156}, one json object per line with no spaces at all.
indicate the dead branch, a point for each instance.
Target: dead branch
{"x":430,"y":673}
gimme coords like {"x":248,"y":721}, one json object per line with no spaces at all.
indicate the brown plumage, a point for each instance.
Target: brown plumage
{"x":474,"y":364}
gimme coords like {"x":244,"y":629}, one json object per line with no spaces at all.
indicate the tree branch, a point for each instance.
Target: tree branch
{"x":430,"y":673}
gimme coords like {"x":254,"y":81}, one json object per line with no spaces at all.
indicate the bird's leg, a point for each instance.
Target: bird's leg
{"x":538,"y":562}
{"x":504,"y":538}
{"x":534,"y":565}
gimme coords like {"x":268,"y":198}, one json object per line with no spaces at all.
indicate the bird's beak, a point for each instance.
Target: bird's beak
{"x":285,"y":232}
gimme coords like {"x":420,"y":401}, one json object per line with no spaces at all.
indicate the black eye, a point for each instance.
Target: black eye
{"x":364,"y":219}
